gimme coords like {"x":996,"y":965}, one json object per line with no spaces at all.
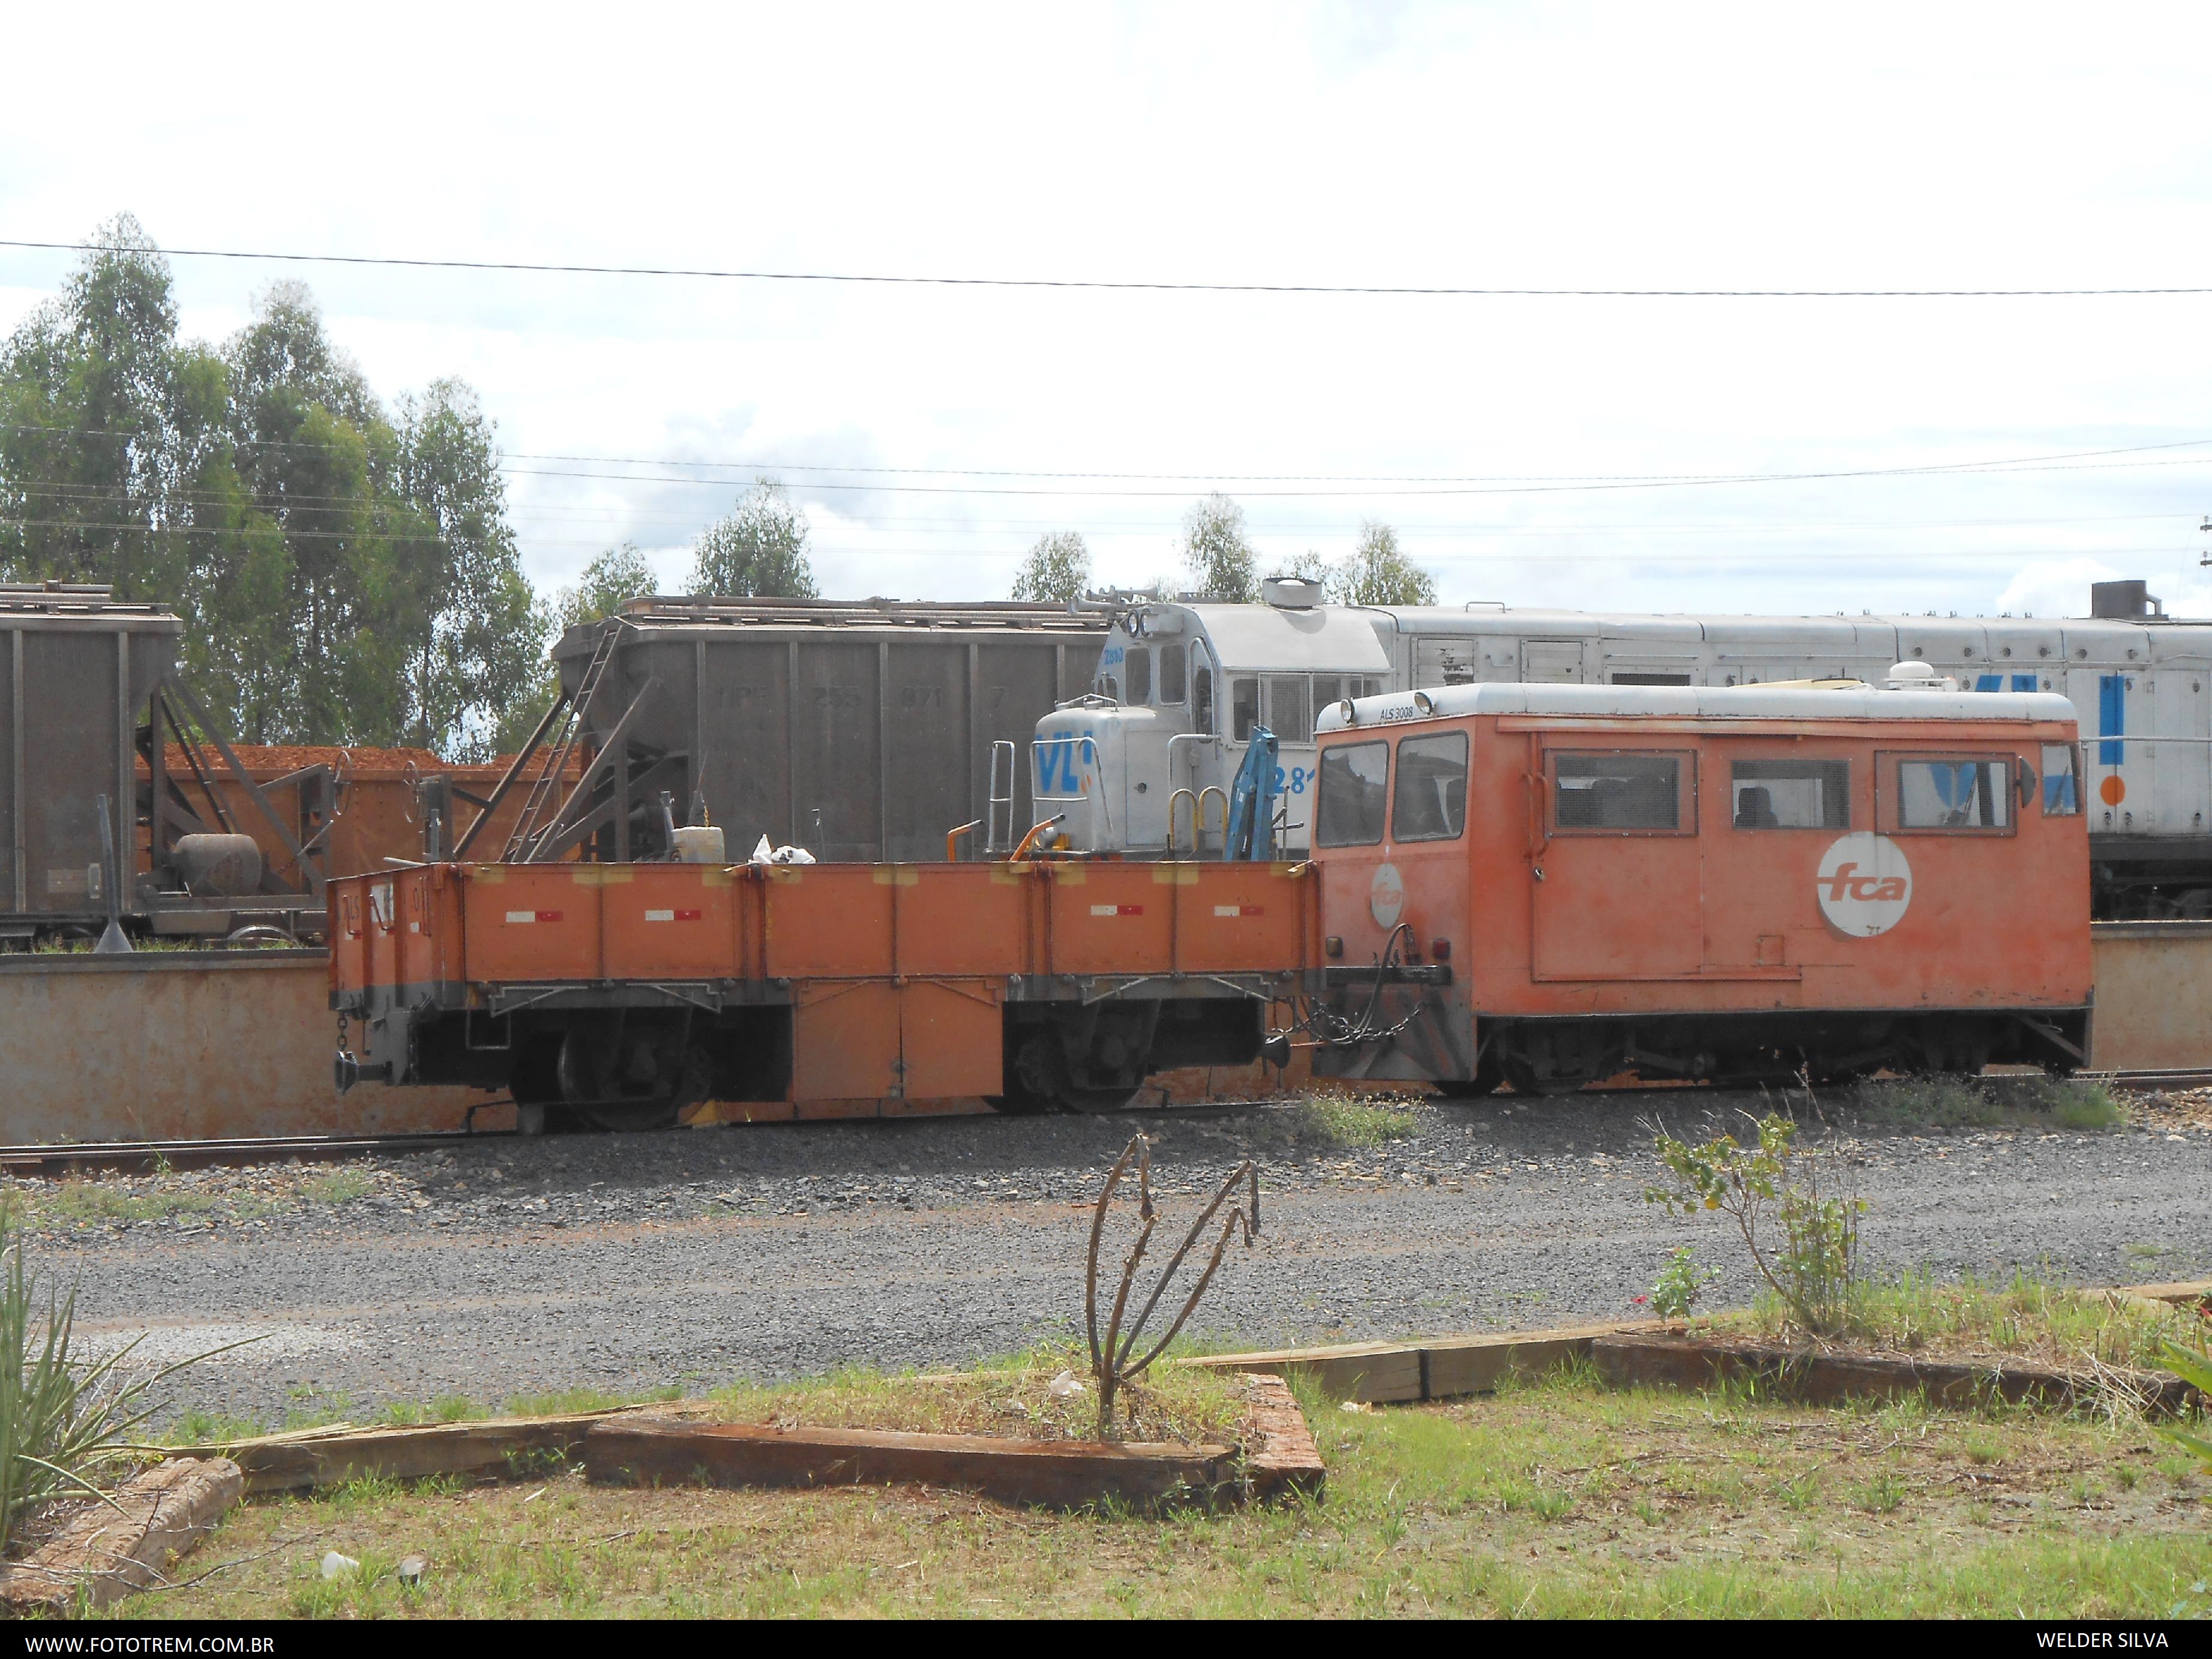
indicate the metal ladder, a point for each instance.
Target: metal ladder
{"x":547,"y":786}
{"x":995,"y":838}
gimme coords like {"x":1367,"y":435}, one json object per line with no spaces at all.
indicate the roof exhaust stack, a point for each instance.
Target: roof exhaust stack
{"x":1291,"y":593}
{"x":2125,"y":602}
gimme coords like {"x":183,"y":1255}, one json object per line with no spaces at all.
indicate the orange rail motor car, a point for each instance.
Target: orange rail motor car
{"x":622,"y":992}
{"x":1549,"y":884}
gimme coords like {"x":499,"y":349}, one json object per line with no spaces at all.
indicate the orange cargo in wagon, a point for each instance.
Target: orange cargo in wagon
{"x":1548,"y":884}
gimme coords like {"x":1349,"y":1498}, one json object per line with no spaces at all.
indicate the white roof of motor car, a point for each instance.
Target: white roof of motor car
{"x":1849,"y":702}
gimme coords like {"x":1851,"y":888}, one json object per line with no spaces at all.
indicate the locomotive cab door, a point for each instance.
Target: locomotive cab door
{"x":1616,"y":885}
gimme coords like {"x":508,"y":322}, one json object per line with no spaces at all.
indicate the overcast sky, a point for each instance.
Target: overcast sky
{"x":1472,"y":146}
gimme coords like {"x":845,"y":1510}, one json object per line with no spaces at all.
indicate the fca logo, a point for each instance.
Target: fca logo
{"x":1877,"y":889}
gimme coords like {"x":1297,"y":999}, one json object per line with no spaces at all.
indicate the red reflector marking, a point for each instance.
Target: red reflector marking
{"x":1117,"y":909}
{"x":533,"y":915}
{"x":671,"y":915}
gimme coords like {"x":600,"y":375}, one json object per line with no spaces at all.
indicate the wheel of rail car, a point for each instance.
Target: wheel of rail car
{"x":591,"y":1083}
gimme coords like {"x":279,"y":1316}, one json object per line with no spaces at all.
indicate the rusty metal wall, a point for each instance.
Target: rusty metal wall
{"x":861,"y":731}
{"x":189,"y":1045}
{"x":2153,"y":996}
{"x":380,"y":817}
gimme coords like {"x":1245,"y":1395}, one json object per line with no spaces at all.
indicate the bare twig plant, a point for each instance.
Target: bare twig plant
{"x":1110,"y":1363}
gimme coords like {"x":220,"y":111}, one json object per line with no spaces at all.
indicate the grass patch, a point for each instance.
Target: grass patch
{"x":97,"y":1202}
{"x":1335,"y":1119}
{"x":565,"y":1402}
{"x":1561,"y":1499}
{"x":1187,"y":1405}
{"x":2022,"y":1318}
{"x":338,"y":1187}
{"x":1980,"y":1103}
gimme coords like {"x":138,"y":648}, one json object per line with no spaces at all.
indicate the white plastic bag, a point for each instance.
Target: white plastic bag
{"x":762,"y":853}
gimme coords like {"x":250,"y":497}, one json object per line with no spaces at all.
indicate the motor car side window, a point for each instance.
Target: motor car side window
{"x":1354,"y":780}
{"x":1430,"y":801}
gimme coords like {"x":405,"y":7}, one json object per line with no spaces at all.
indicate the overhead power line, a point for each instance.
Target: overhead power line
{"x":1703,"y":555}
{"x":1103,"y":285}
{"x":1474,"y":484}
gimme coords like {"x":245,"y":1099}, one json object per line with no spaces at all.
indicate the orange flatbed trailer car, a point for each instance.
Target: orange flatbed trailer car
{"x":620,"y":993}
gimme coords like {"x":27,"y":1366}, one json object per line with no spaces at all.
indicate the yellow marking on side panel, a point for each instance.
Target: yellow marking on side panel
{"x":715,"y":875}
{"x":602,"y":875}
{"x":1175,"y":875}
{"x":488,"y":871}
{"x":1071,"y":874}
{"x":896,"y":875}
{"x":1010,"y":875}
{"x":789,"y":875}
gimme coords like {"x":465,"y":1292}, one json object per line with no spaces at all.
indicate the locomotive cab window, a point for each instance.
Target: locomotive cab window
{"x":1790,"y":794}
{"x":1137,"y":665}
{"x":1353,"y":792}
{"x":1429,"y":802}
{"x":1171,"y":673}
{"x":2062,"y":794}
{"x":1243,"y":709}
{"x":1289,"y":708}
{"x":1622,"y":792}
{"x":1947,"y":794}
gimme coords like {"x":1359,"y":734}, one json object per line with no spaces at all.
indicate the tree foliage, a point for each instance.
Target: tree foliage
{"x":1379,"y":573}
{"x":1217,"y":555}
{"x":758,"y":551}
{"x":1312,"y":565}
{"x":608,"y":582}
{"x":1055,"y":570}
{"x":345,"y":574}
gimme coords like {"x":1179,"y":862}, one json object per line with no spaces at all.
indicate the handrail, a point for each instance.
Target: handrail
{"x":1213,"y":789}
{"x":1035,"y":830}
{"x":1174,"y":801}
{"x":952,"y":839}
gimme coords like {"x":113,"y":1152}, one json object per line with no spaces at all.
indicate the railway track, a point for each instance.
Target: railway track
{"x":127,"y":1155}
{"x":55,"y":1160}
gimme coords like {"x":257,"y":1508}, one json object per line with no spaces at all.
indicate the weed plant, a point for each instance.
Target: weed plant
{"x":1803,"y":1240}
{"x":1679,"y":1284}
{"x":65,"y":1421}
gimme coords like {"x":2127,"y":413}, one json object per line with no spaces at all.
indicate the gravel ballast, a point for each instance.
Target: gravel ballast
{"x":512,"y":1266}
